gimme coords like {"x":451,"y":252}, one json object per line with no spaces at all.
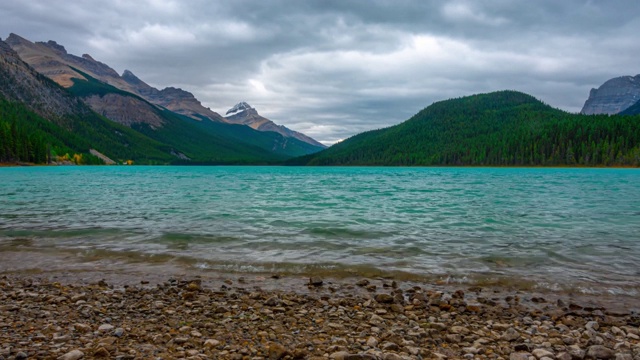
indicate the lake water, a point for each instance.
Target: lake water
{"x":565,"y":229}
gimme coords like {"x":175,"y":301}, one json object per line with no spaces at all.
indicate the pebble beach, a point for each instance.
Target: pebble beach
{"x":248,"y":317}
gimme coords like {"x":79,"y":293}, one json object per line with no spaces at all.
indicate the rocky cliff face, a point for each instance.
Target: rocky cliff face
{"x":52,"y":60}
{"x":126,"y":110}
{"x":614,"y":96}
{"x":19,"y":82}
{"x":174,"y":99}
{"x":243,"y":113}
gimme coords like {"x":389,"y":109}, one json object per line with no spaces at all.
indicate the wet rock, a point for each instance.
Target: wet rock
{"x":21,"y":356}
{"x":362,"y":283}
{"x":315,"y":281}
{"x":384,"y":298}
{"x":519,"y":356}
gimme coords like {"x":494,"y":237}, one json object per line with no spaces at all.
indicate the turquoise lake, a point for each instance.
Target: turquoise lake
{"x":575,"y":229}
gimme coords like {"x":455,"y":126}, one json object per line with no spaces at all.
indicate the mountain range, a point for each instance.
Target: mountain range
{"x":59,"y":107}
{"x":172,"y":117}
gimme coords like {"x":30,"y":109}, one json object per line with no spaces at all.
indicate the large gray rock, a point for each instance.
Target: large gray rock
{"x":613,"y":96}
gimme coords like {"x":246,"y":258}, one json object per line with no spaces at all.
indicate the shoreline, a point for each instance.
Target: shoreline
{"x":109,"y":314}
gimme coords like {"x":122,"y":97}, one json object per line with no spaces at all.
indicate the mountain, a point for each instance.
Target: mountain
{"x":53,"y":61}
{"x":614,"y":96}
{"x":243,"y":113}
{"x":92,"y":117}
{"x":40,"y":122}
{"x":172,"y":117}
{"x":504,"y":128}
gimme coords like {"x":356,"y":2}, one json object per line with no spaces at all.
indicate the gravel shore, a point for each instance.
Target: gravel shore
{"x":41,"y":318}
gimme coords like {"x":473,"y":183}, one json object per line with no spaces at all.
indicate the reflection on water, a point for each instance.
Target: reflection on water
{"x":559,"y":227}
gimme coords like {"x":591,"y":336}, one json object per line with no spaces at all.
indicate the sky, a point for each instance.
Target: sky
{"x":334,"y":68}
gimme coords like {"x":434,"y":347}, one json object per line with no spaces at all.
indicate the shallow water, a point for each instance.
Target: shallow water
{"x":565,"y":229}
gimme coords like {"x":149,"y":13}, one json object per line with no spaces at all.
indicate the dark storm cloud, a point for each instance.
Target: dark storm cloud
{"x":335,"y":68}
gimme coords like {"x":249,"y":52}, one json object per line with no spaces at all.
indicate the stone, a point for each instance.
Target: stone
{"x":211,"y":343}
{"x":101,"y":352}
{"x":277,"y":351}
{"x":576,"y":352}
{"x":510,"y":334}
{"x":21,"y":356}
{"x":519,"y":356}
{"x":118,"y":332}
{"x":592,"y":325}
{"x":563,"y":356}
{"x":82,"y":328}
{"x":600,"y":352}
{"x":272,"y":301}
{"x":372,"y":342}
{"x":106,"y":327}
{"x":339,"y":355}
{"x":363,"y":283}
{"x":384,"y":298}
{"x":540,"y":353}
{"x":315,"y":281}
{"x":72,"y":355}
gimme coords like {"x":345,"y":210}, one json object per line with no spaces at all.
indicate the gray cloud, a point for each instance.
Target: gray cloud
{"x":332,"y":69}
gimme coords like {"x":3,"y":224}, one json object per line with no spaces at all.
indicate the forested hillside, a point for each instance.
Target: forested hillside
{"x":505,"y":128}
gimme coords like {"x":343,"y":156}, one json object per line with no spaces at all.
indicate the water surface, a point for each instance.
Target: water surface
{"x":576,"y":229}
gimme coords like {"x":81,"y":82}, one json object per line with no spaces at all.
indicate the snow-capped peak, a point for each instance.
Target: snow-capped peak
{"x":238,"y":108}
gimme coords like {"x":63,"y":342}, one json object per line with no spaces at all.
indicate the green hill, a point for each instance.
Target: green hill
{"x":504,"y":128}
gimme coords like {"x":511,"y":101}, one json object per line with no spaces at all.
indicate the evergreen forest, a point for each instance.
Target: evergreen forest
{"x":505,"y":128}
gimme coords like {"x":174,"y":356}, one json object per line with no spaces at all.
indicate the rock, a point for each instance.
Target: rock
{"x":106,"y":328}
{"x":600,"y":352}
{"x":522,"y":348}
{"x":277,"y":351}
{"x":390,"y":346}
{"x":459,"y":330}
{"x":384,"y":298}
{"x":72,"y":355}
{"x":315,"y":281}
{"x":273,"y":301}
{"x":592,"y":325}
{"x":21,"y":356}
{"x":563,"y":356}
{"x":363,"y":283}
{"x":519,"y":356}
{"x":540,"y":353}
{"x":391,"y":356}
{"x":118,"y":332}
{"x":372,"y":342}
{"x":101,"y":352}
{"x":510,"y":334}
{"x":339,"y":355}
{"x":575,"y":352}
{"x":211,"y":343}
{"x":82,"y":328}
{"x":614,"y":96}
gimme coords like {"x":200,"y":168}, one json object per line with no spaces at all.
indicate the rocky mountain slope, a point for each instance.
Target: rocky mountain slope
{"x":243,"y":113}
{"x":614,"y":96}
{"x":52,"y":60}
{"x":37,"y":114}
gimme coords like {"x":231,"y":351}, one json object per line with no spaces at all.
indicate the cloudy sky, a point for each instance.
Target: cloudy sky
{"x":334,"y":68}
